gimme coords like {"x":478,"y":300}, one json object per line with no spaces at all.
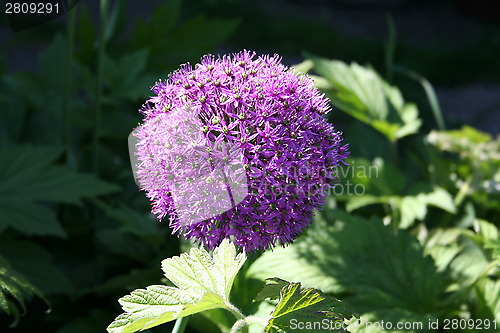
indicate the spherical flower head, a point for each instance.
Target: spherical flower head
{"x":237,"y":147}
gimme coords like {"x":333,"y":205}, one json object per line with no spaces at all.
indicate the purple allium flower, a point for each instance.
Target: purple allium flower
{"x":237,"y":147}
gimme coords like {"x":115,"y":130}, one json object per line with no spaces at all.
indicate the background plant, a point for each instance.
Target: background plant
{"x":75,"y":233}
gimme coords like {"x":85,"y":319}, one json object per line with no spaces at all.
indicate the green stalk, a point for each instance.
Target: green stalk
{"x":390,"y":48}
{"x":180,"y":325}
{"x":100,"y":67}
{"x":429,"y":91}
{"x":68,"y":87}
{"x":240,"y":323}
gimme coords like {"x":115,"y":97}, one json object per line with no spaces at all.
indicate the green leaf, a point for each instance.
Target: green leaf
{"x":362,"y":93}
{"x":441,"y":245}
{"x":35,"y":262}
{"x":487,"y":236}
{"x":378,"y":177}
{"x":383,"y":270}
{"x":89,"y":320}
{"x":487,"y":230}
{"x":307,"y":310}
{"x":303,"y":67}
{"x":494,"y":246}
{"x":468,"y":142}
{"x":14,"y":289}
{"x":488,"y":300}
{"x":198,"y":36}
{"x":29,"y":218}
{"x":172,"y":43}
{"x":29,"y":177}
{"x":136,"y":224}
{"x":469,"y":264}
{"x":441,"y":198}
{"x":271,"y":289}
{"x":412,"y":208}
{"x":383,"y":183}
{"x":135,"y":84}
{"x":203,"y":282}
{"x":13,"y":115}
{"x":51,"y":60}
{"x":164,"y":18}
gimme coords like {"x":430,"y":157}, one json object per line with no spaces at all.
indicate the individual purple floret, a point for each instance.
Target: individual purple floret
{"x":237,"y":147}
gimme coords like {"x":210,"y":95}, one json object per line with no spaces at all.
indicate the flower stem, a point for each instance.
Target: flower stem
{"x":256,"y":320}
{"x":100,"y":69}
{"x":180,"y":325}
{"x":68,"y":87}
{"x":390,"y":48}
{"x":240,"y":323}
{"x":235,"y":311}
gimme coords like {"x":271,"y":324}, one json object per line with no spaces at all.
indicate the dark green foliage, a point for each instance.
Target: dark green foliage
{"x":76,"y":234}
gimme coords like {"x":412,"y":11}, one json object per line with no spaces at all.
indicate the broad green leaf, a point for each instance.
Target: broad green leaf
{"x":362,"y":258}
{"x":307,"y":310}
{"x":29,"y":177}
{"x":440,"y":198}
{"x":203,"y":282}
{"x":469,"y":264}
{"x":15,"y":288}
{"x":29,"y":218}
{"x":362,"y":93}
{"x":199,"y":272}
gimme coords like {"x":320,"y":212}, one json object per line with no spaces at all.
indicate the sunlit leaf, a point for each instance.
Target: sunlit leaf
{"x":15,"y":288}
{"x":307,"y":310}
{"x":271,"y":289}
{"x":362,"y":93}
{"x":203,"y":282}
